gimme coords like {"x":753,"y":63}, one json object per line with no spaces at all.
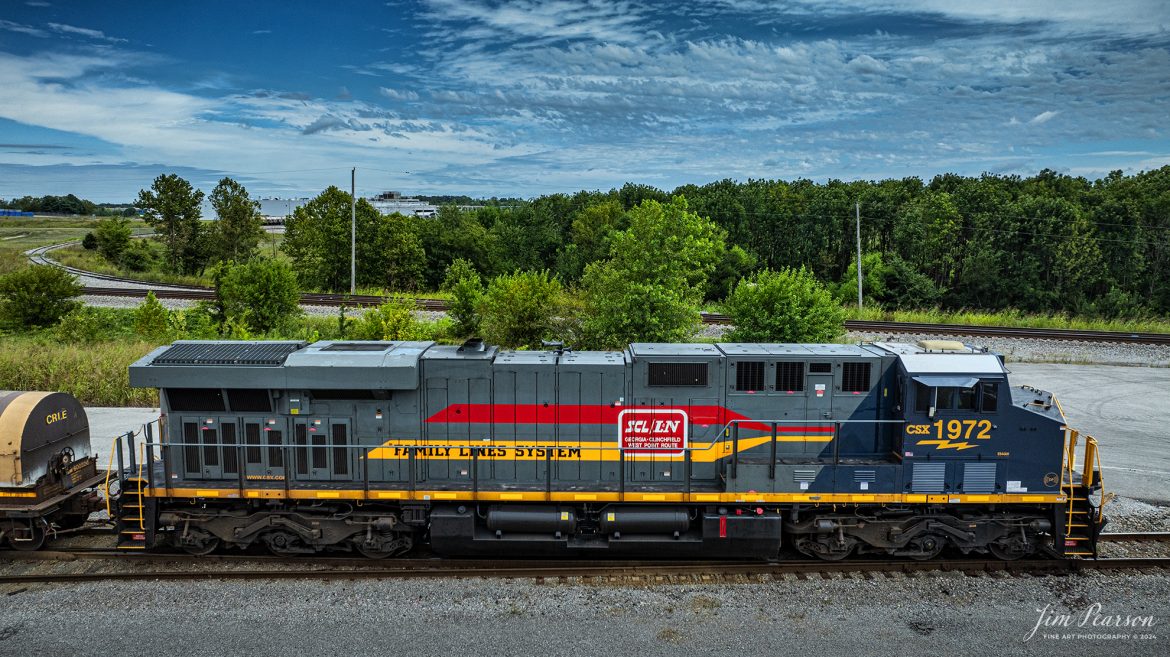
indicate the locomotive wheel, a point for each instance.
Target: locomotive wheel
{"x":817,"y":549}
{"x":285,"y":544}
{"x":37,"y":542}
{"x":200,"y":543}
{"x":1010,"y":552}
{"x":391,"y":549}
{"x":929,"y":546}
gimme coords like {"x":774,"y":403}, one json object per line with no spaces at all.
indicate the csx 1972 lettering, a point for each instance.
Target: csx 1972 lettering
{"x":952,"y":429}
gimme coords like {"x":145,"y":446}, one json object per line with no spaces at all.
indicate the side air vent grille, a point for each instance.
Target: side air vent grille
{"x":928,"y":477}
{"x":804,"y":475}
{"x":979,"y":477}
{"x":864,"y":476}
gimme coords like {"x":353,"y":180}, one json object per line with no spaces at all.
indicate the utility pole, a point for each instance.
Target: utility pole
{"x":353,"y":231}
{"x":857,"y":209}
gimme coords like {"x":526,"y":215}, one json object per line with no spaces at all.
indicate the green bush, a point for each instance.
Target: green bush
{"x":466,"y":289}
{"x":139,"y":256}
{"x":517,"y":310}
{"x":783,"y":306}
{"x":393,"y":320}
{"x":151,"y":319}
{"x":89,"y":242}
{"x":112,"y":236}
{"x":261,"y":294}
{"x":38,"y":296}
{"x":83,"y":325}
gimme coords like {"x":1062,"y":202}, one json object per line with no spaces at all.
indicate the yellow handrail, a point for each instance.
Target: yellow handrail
{"x":109,"y":470}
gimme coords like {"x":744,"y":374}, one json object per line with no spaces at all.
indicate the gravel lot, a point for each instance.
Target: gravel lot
{"x":947,"y":613}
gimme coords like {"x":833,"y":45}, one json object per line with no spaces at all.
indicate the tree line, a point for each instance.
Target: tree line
{"x":68,"y":204}
{"x":600,"y":269}
{"x":1046,"y":243}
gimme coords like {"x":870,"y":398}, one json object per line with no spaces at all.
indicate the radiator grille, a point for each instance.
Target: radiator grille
{"x":227,"y":353}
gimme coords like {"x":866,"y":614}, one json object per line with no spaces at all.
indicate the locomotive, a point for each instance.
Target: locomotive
{"x":679,"y":450}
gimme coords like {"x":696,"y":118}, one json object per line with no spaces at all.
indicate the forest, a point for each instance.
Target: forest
{"x":1042,"y":244}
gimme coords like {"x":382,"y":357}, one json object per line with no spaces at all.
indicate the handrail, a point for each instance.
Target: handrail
{"x":723,"y":434}
{"x":109,"y":471}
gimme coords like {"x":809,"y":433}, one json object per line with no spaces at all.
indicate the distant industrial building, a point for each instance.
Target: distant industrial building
{"x":276,"y":210}
{"x":391,"y":202}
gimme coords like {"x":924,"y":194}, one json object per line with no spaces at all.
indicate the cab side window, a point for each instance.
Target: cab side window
{"x":988,"y":397}
{"x":922,"y":395}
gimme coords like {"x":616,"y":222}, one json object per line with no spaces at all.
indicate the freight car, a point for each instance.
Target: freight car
{"x":697,"y":450}
{"x":48,"y":478}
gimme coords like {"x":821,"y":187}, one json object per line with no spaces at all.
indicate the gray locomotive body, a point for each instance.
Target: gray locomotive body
{"x":718,"y":450}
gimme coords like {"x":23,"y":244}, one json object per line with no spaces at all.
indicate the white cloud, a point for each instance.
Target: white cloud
{"x":10,"y":26}
{"x":85,"y":32}
{"x":1043,"y":117}
{"x":394,"y":94}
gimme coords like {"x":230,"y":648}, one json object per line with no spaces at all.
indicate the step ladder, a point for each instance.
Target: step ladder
{"x":131,"y":522}
{"x":1080,"y":522}
{"x":131,"y":507}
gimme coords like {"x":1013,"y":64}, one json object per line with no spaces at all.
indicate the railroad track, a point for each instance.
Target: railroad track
{"x":624,"y":572}
{"x":164,"y":567}
{"x":40,"y":256}
{"x":168,"y":291}
{"x":1007,"y":332}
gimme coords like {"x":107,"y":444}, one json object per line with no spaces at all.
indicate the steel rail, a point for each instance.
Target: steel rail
{"x":1135,"y":536}
{"x":1007,"y":332}
{"x":649,"y":571}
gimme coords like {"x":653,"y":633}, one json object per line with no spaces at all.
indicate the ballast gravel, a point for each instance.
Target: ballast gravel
{"x":933,"y":613}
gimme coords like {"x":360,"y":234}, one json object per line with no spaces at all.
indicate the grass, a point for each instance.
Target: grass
{"x":76,"y":256}
{"x":96,"y":376}
{"x":1013,"y":318}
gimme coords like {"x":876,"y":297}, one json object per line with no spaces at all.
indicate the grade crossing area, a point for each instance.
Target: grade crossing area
{"x":1126,"y":408}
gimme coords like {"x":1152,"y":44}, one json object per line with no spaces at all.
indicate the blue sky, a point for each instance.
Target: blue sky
{"x":520,"y":97}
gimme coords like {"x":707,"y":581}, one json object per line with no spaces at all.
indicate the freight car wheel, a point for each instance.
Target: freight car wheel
{"x":32,"y":543}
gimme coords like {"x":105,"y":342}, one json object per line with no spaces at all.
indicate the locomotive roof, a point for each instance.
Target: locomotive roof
{"x":922,"y":362}
{"x":797,"y":350}
{"x":326,"y":364}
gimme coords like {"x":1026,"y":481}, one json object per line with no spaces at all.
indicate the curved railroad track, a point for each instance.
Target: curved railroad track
{"x":190,"y":293}
{"x":40,"y":256}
